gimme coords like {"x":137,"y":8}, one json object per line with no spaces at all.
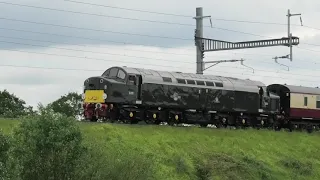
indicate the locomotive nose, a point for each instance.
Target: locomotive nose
{"x":96,"y":83}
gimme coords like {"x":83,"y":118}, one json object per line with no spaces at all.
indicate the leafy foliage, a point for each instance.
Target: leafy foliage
{"x":4,"y":148}
{"x":67,"y":104}
{"x":47,"y":146}
{"x":119,"y":152}
{"x":12,"y":107}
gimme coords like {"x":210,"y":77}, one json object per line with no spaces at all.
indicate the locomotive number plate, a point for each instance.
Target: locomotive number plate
{"x":94,"y":96}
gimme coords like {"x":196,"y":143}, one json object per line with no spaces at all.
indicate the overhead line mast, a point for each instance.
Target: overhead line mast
{"x":205,"y":44}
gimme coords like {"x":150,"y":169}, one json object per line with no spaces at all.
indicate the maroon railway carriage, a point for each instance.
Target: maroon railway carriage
{"x":300,"y":105}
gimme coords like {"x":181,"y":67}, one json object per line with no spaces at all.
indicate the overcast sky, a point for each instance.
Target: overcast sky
{"x":39,"y":37}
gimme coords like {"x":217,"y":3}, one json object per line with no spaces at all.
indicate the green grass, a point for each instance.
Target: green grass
{"x":162,"y":152}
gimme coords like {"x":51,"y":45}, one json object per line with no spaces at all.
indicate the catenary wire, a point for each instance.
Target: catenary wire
{"x":67,"y":69}
{"x":136,"y":19}
{"x":73,"y":28}
{"x":189,"y":54}
{"x":99,"y":59}
{"x":186,"y":16}
{"x":50,"y":24}
{"x":153,"y":21}
{"x":218,"y":19}
{"x":118,"y":42}
{"x":92,"y":14}
{"x":90,"y":29}
{"x":101,"y":52}
{"x":95,"y":52}
{"x":82,"y":37}
{"x":121,"y":42}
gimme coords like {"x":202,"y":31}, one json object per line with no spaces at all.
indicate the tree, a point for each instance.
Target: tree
{"x":47,"y":146}
{"x":11,"y":106}
{"x":67,"y":104}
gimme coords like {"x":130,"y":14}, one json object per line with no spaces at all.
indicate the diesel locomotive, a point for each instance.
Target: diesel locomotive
{"x":131,"y":95}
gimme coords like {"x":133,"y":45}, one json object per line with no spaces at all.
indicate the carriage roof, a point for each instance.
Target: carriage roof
{"x":297,"y":89}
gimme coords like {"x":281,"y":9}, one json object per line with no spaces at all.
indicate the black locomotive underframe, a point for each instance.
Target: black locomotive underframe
{"x":152,"y":115}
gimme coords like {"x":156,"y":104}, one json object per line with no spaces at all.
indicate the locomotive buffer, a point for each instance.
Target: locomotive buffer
{"x":206,"y":44}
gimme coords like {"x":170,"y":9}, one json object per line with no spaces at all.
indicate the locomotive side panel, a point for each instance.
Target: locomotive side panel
{"x":247,"y":101}
{"x":121,"y":93}
{"x":220,"y":100}
{"x":156,"y":95}
{"x":187,"y":97}
{"x":164,"y":95}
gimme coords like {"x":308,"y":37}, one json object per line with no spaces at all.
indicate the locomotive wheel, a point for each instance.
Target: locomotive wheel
{"x":172,"y":122}
{"x":150,"y":118}
{"x":93,"y":119}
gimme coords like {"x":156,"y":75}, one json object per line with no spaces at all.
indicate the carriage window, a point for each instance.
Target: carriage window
{"x":191,"y":82}
{"x":209,"y":83}
{"x":181,"y":81}
{"x":305,"y":101}
{"x":318,"y":102}
{"x":166,"y":79}
{"x":200,"y":83}
{"x":113,"y":72}
{"x":219,"y":84}
{"x":121,"y":74}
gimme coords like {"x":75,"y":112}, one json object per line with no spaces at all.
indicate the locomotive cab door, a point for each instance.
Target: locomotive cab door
{"x":139,"y":83}
{"x":261,"y":98}
{"x":134,"y":87}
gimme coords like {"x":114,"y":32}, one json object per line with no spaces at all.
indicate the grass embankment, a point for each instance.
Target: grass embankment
{"x":162,"y":152}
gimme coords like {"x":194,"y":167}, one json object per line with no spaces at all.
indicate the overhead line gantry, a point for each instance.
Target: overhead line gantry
{"x":206,"y":44}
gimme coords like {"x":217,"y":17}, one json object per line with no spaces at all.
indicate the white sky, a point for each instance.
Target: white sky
{"x":45,"y":85}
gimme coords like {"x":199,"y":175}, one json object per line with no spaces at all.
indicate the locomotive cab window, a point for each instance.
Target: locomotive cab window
{"x":121,"y":74}
{"x":113,"y":72}
{"x":132,"y":79}
{"x":106,"y":73}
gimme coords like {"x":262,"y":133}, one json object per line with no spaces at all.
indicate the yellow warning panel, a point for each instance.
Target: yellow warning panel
{"x":94,"y":96}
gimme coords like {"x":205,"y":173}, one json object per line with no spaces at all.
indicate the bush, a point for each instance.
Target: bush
{"x":4,"y":148}
{"x":47,"y":146}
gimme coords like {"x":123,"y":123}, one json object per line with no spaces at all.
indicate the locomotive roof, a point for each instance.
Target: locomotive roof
{"x":162,"y":77}
{"x":300,"y":89}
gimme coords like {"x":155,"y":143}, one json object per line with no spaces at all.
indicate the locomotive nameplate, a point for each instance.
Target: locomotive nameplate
{"x":94,"y":96}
